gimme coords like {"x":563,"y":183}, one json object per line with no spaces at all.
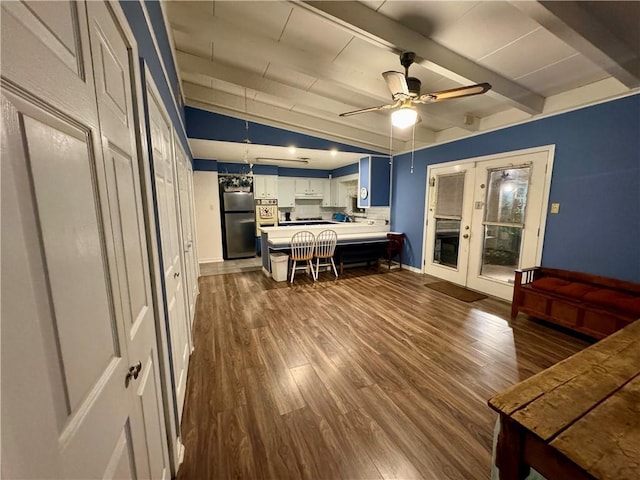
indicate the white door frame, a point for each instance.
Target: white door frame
{"x":549,"y":149}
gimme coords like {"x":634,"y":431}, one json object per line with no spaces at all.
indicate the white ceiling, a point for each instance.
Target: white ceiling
{"x":297,"y":65}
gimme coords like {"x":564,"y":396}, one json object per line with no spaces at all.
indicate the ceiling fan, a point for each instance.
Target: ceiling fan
{"x":405,"y":91}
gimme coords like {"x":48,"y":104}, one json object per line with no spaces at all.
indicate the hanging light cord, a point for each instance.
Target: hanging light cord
{"x":390,"y":143}
{"x":246,"y":129}
{"x":413,"y":145}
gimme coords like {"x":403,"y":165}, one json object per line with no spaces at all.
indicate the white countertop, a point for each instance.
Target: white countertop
{"x":346,"y":231}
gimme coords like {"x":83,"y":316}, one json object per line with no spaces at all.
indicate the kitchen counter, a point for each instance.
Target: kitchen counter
{"x":279,"y":238}
{"x":293,"y":223}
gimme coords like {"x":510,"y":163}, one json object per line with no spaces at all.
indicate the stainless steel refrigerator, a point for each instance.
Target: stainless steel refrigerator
{"x":239,"y":224}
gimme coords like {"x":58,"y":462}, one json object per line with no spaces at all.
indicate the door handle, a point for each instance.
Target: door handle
{"x":176,"y":275}
{"x":133,"y":372}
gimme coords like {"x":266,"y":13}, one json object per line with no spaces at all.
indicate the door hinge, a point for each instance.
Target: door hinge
{"x":538,"y":232}
{"x":432,"y":182}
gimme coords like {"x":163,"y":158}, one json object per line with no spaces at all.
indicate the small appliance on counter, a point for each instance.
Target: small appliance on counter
{"x":287,"y":216}
{"x":266,"y":213}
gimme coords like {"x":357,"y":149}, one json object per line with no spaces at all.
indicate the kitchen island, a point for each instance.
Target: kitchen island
{"x":279,"y":238}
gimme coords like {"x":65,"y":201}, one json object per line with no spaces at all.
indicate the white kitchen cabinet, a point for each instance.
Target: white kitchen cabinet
{"x":338,"y":193}
{"x":265,"y":186}
{"x":327,"y":194}
{"x":311,"y":187}
{"x":286,"y":192}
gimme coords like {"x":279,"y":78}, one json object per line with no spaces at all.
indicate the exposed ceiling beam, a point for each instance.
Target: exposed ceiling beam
{"x":233,"y":105}
{"x":362,"y":93}
{"x":360,"y":20}
{"x":315,"y":65}
{"x":580,"y":30}
{"x":244,"y":78}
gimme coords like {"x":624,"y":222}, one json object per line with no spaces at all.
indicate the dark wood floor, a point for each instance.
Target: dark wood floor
{"x":370,"y":376}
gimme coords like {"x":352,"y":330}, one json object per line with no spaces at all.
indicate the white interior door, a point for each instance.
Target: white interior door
{"x":76,"y":302}
{"x":166,"y":193}
{"x":190,"y":279}
{"x":113,"y":68}
{"x":485,"y":219}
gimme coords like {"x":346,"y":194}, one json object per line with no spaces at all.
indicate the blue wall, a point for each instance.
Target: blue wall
{"x":346,"y":170}
{"x":214,"y":126}
{"x":596,"y":180}
{"x":147,"y":51}
{"x":205,"y":165}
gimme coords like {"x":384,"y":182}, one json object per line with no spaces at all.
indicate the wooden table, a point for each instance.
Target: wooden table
{"x":579,"y":419}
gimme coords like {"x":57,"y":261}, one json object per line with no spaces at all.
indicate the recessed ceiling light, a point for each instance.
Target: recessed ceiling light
{"x":333,"y":152}
{"x":292,"y":150}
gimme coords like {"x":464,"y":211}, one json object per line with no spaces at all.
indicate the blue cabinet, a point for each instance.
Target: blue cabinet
{"x":374,"y":182}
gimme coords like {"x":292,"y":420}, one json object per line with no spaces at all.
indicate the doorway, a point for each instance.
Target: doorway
{"x":485,"y":218}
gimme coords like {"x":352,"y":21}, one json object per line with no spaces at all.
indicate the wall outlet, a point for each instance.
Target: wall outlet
{"x":555,"y":208}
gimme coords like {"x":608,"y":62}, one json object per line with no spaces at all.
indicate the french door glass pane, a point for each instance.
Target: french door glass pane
{"x":501,"y":252}
{"x":447,"y":240}
{"x":507,"y":195}
{"x":450,"y":194}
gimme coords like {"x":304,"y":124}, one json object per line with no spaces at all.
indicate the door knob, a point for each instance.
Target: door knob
{"x":466,"y":235}
{"x":133,"y":372}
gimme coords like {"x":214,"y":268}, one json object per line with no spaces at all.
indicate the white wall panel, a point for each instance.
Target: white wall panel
{"x":208,"y":230}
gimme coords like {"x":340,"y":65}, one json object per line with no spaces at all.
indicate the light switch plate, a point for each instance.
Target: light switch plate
{"x":555,"y":208}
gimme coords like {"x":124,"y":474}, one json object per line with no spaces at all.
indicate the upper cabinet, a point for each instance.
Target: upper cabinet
{"x":338,"y":194}
{"x":311,"y":187}
{"x":265,"y":186}
{"x":374,"y":182}
{"x":286,"y":192}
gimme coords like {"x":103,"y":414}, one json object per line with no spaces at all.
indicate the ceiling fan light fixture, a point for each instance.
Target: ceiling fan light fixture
{"x":404,"y":117}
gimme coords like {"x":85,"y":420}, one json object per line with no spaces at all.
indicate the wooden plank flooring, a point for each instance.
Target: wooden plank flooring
{"x":369,"y":376}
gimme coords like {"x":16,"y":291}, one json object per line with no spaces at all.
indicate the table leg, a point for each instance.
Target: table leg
{"x":509,"y":452}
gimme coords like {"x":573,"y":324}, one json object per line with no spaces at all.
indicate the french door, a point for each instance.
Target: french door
{"x":484,"y":219}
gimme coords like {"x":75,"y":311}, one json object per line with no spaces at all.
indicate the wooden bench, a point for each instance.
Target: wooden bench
{"x":360,"y":253}
{"x":590,"y":304}
{"x":579,"y":419}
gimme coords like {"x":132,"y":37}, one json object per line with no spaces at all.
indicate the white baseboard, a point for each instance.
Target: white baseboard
{"x":411,"y":269}
{"x":210,"y":260}
{"x":266,"y":272}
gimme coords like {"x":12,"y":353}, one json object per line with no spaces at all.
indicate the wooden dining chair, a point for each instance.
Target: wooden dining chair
{"x":394,"y":247}
{"x":324,"y":250}
{"x":302,"y":245}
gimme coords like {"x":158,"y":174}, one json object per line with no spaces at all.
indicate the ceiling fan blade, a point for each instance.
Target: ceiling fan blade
{"x":372,"y":109}
{"x":454,"y":93}
{"x":397,"y":84}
